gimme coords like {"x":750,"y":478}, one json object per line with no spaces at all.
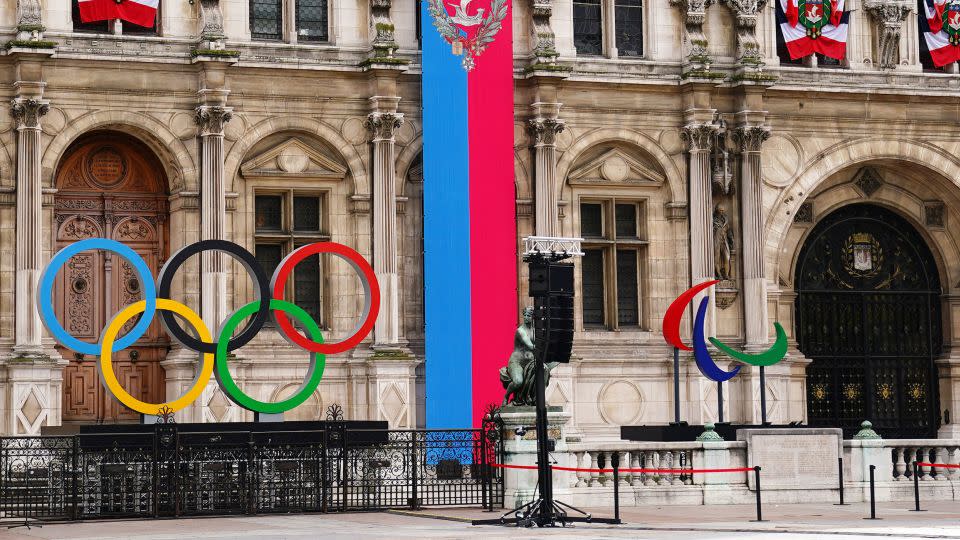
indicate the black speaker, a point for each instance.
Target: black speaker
{"x":550,"y":278}
{"x":558,"y":341}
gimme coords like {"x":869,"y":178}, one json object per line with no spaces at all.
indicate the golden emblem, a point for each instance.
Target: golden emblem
{"x":885,"y":391}
{"x":915,"y":391}
{"x":862,"y":256}
{"x":851,"y":391}
{"x":820,"y":392}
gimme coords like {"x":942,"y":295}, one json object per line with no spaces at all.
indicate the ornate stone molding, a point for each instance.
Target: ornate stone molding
{"x":27,"y":112}
{"x":698,"y":137}
{"x":383,"y":124}
{"x":544,"y":39}
{"x":212,"y":119}
{"x":29,"y":15}
{"x":746,"y":13}
{"x":545,"y":130}
{"x":384,"y":43}
{"x":750,"y":138}
{"x":212,"y":19}
{"x":888,"y":16}
{"x":694,"y":14}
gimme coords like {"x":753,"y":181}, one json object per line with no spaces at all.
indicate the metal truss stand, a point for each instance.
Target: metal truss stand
{"x":26,"y":523}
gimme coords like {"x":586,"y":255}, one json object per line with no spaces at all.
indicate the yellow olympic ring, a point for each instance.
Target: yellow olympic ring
{"x":106,"y":352}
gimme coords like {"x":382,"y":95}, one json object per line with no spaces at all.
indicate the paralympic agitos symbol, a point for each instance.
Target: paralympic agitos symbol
{"x":709,"y":368}
{"x":268,"y":302}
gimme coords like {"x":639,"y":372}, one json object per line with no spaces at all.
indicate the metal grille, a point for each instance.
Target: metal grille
{"x":169,"y":473}
{"x":266,"y":19}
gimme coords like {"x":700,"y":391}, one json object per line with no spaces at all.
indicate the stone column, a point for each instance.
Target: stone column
{"x":27,"y":113}
{"x":213,"y":211}
{"x":699,"y":141}
{"x":545,"y":127}
{"x":382,"y":125}
{"x":749,"y":140}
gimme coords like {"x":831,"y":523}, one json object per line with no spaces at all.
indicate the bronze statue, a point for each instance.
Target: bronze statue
{"x":518,"y":376}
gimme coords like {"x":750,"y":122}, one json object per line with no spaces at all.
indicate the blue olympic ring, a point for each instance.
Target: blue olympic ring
{"x":45,"y":302}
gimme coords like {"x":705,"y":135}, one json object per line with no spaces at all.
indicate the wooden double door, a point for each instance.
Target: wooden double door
{"x":109,"y":186}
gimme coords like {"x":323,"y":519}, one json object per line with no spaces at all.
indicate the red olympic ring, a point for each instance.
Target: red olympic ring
{"x":371,"y":295}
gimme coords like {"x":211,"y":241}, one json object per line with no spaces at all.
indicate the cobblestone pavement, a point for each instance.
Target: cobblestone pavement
{"x":717,"y":522}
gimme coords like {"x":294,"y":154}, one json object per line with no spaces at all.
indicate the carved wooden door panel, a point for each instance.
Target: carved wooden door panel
{"x":108,"y":188}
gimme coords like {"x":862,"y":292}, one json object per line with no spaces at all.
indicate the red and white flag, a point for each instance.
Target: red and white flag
{"x":940,"y":24}
{"x":138,"y":12}
{"x":813,"y":26}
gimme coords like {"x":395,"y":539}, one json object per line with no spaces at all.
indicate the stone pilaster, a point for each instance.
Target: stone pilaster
{"x":749,"y":139}
{"x":382,"y":125}
{"x":384,"y":43}
{"x":745,"y":14}
{"x":29,"y":257}
{"x":888,"y":17}
{"x":696,"y":56}
{"x":699,"y":142}
{"x":211,"y":120}
{"x":545,"y":126}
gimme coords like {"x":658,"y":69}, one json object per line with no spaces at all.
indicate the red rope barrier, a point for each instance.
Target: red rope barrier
{"x":941,"y":465}
{"x":645,"y":471}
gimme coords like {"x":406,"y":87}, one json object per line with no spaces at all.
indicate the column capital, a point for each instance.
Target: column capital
{"x":750,"y":138}
{"x":698,"y":137}
{"x":27,"y":112}
{"x":212,"y":119}
{"x":383,"y":124}
{"x":545,"y":130}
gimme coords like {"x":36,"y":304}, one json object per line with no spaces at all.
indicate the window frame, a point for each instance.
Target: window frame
{"x":609,"y":244}
{"x":608,"y":32}
{"x":289,"y":238}
{"x":288,"y":26}
{"x":114,"y":27}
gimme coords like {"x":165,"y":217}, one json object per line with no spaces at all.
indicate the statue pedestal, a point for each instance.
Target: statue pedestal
{"x":520,"y":484}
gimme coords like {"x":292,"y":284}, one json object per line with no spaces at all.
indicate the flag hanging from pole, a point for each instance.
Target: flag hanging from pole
{"x":813,"y":26}
{"x":469,"y":200}
{"x":139,"y":12}
{"x":940,"y":24}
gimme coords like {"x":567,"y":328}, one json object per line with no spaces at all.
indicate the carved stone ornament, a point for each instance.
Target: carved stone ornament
{"x":746,"y":13}
{"x":934,"y":213}
{"x":29,"y":14}
{"x":888,"y":16}
{"x":384,"y":43}
{"x":750,"y":138}
{"x":27,"y":112}
{"x":868,"y":181}
{"x":212,"y":19}
{"x":698,"y":137}
{"x":212,"y":119}
{"x":545,"y":130}
{"x":383,"y":124}
{"x":544,"y":39}
{"x":694,"y":15}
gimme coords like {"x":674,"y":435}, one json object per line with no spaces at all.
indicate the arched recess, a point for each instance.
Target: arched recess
{"x":410,"y":156}
{"x":176,"y":159}
{"x":868,"y":315}
{"x":312,"y":128}
{"x":674,"y":176}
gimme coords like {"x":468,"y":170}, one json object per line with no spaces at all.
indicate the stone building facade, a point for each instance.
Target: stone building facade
{"x":670,"y":135}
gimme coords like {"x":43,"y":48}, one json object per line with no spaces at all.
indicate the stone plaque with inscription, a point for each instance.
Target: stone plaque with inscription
{"x":794,"y":458}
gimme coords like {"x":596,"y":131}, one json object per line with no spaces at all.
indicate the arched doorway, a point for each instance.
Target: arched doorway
{"x":868,"y":315}
{"x":108,"y":185}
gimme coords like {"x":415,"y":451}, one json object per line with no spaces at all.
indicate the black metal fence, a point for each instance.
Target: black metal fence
{"x":173,"y":473}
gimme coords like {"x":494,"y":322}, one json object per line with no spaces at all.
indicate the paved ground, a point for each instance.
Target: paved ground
{"x":719,"y":522}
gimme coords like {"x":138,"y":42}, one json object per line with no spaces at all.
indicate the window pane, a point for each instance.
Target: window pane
{"x":592,"y":278}
{"x":311,"y":20}
{"x":628,"y":312}
{"x":306,"y":214}
{"x":626,"y":220}
{"x":78,"y":26}
{"x":629,"y":25}
{"x":265,"y":19}
{"x":826,"y":61}
{"x":268,"y":255}
{"x":587,"y":27}
{"x":269,"y":209}
{"x":306,"y":286}
{"x":591,"y":220}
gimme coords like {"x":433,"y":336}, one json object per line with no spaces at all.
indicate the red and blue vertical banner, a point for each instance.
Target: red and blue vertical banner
{"x":469,"y":224}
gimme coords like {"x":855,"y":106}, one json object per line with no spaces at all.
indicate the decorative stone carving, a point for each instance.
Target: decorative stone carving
{"x":695,"y":13}
{"x":698,"y":137}
{"x":384,"y":43}
{"x":888,"y":16}
{"x":750,"y":138}
{"x":745,"y":13}
{"x":212,"y":19}
{"x":27,"y":112}
{"x":545,"y":46}
{"x":934,"y":214}
{"x":212,"y":119}
{"x":546,"y":130}
{"x":383,"y":124}
{"x":804,"y":213}
{"x":29,"y":15}
{"x":722,"y":244}
{"x":868,"y":181}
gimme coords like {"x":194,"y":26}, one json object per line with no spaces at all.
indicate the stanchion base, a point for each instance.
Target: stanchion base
{"x":915,"y":510}
{"x":27,"y":524}
{"x":522,"y":518}
{"x":758,"y":520}
{"x":876,"y":519}
{"x":841,"y":504}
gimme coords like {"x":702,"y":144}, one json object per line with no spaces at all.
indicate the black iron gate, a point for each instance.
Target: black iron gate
{"x":173,"y":473}
{"x":868,"y":315}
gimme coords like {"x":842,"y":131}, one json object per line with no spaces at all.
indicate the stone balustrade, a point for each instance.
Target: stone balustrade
{"x":904,"y":452}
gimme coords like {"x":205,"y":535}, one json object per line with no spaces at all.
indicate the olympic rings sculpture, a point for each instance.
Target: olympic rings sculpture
{"x":268,"y":302}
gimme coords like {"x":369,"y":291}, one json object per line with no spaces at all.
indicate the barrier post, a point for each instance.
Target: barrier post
{"x":873,"y":498}
{"x":484,"y":467}
{"x":756,"y":480}
{"x":841,"y":503}
{"x":615,"y":461}
{"x":916,"y":488}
